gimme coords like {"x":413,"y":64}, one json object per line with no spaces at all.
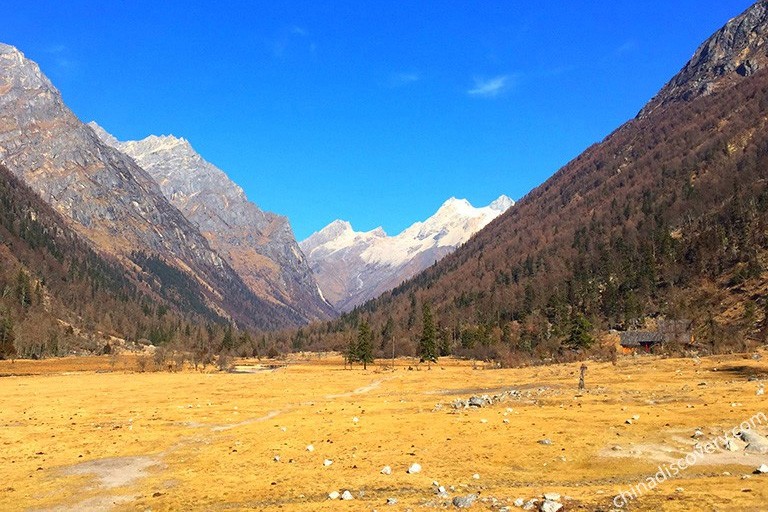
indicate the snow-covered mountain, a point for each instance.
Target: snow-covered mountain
{"x":352,"y":267}
{"x":259,"y":245}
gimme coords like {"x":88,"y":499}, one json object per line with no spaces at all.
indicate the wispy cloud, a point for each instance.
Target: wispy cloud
{"x":627,"y":47}
{"x":403,"y":79}
{"x":489,"y":87}
{"x":62,"y":58}
{"x":291,"y":40}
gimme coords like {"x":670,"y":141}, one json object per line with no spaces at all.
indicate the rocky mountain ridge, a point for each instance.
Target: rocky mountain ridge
{"x":259,"y":245}
{"x":111,"y":201}
{"x":352,"y":267}
{"x":736,"y":51}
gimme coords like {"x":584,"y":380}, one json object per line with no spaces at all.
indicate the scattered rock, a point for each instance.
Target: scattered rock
{"x":519,"y":502}
{"x":476,"y":476}
{"x":310,"y":448}
{"x":506,"y":420}
{"x":391,"y":501}
{"x":530,"y":504}
{"x":386,"y":470}
{"x":333,"y":495}
{"x":479,"y":401}
{"x":414,"y":468}
{"x":755,"y":442}
{"x":760,"y":391}
{"x":763,"y":469}
{"x":327,"y":462}
{"x":464,"y":501}
{"x":346,"y":496}
{"x":545,"y":442}
{"x":550,"y":506}
{"x":355,"y":420}
{"x":276,"y":458}
{"x":552,"y":496}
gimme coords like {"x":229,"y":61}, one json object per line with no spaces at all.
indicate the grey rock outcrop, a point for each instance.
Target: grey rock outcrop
{"x":111,"y":201}
{"x":259,"y":245}
{"x":736,"y":51}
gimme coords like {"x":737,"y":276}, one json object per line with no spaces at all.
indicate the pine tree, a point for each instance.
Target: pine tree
{"x":7,"y":348}
{"x":365,"y":344}
{"x":228,"y":342}
{"x":352,"y":353}
{"x":428,"y":341}
{"x":580,"y":335}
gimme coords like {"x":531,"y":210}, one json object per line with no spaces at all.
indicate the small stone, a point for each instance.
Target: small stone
{"x":414,"y":468}
{"x":483,"y":420}
{"x":476,"y":476}
{"x":519,"y":502}
{"x":550,"y":506}
{"x":355,"y":419}
{"x":679,"y":489}
{"x":391,"y":501}
{"x":763,"y":469}
{"x":327,"y":462}
{"x":386,"y":470}
{"x":760,"y":391}
{"x":636,"y":417}
{"x":310,"y":448}
{"x":476,"y":401}
{"x":530,"y":504}
{"x":276,"y":458}
{"x":333,"y":495}
{"x":545,"y":442}
{"x":346,"y":496}
{"x":506,"y":420}
{"x":464,"y":501}
{"x":629,"y":421}
{"x":552,"y":496}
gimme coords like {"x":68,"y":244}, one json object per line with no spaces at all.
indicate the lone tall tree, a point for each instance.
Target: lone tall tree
{"x":365,"y":344}
{"x":428,"y":341}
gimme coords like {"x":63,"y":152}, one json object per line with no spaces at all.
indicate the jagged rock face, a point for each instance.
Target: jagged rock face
{"x":736,"y":51}
{"x":110,"y":200}
{"x":353,"y":267}
{"x":259,"y":245}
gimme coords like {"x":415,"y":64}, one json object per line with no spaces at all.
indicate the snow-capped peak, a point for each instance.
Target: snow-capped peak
{"x":352,"y":266}
{"x":502,"y":204}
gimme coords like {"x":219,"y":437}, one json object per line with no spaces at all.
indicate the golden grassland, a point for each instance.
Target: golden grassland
{"x":92,"y":434}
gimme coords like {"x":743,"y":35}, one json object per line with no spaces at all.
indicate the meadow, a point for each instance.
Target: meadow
{"x":95,"y":434}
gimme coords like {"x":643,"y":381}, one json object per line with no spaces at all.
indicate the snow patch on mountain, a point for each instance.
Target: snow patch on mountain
{"x":353,"y":266}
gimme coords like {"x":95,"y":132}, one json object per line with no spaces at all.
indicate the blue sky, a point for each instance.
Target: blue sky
{"x":369,"y":111}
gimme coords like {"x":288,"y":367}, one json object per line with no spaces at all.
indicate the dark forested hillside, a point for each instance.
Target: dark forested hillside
{"x":57,"y":296}
{"x":666,"y":217}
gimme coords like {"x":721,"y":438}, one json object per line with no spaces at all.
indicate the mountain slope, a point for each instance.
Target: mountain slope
{"x":59,"y":296}
{"x":110,"y":200}
{"x":259,"y":245}
{"x":353,"y":267}
{"x":667,"y":216}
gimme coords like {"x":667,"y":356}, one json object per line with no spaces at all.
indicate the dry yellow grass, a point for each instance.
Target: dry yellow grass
{"x":91,"y":434}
